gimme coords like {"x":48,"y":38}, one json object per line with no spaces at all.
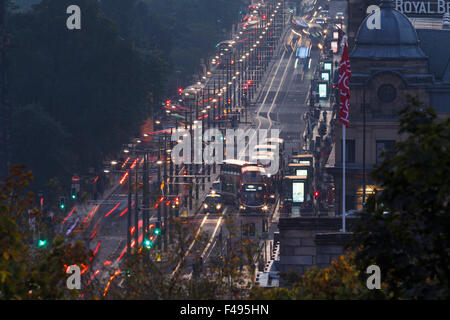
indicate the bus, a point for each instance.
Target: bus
{"x":253,"y":198}
{"x":275,"y":141}
{"x":280,"y":144}
{"x":299,"y":169}
{"x":273,"y":179}
{"x":253,"y":189}
{"x":252,"y":174}
{"x":303,"y":158}
{"x":229,"y":178}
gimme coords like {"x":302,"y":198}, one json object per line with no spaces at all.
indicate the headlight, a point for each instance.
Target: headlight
{"x":272,"y":196}
{"x":218,"y":206}
{"x":205,"y":206}
{"x":241,"y":207}
{"x":265,"y":208}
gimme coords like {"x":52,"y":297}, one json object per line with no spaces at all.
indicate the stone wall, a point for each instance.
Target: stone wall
{"x":303,"y":242}
{"x":329,"y":246}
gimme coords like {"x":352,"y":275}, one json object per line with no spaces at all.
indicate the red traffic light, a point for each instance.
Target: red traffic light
{"x":316,"y":194}
{"x":180,"y":90}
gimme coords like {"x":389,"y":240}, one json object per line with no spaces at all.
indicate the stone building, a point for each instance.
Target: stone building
{"x":387,"y":64}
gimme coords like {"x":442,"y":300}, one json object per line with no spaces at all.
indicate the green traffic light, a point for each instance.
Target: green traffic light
{"x":62,"y":206}
{"x":42,"y":243}
{"x":74,"y":196}
{"x":157,"y":231}
{"x":147,"y":243}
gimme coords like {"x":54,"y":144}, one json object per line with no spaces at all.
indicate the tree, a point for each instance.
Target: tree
{"x":73,"y":82}
{"x":26,"y":271}
{"x":406,"y":228}
{"x":144,"y":277}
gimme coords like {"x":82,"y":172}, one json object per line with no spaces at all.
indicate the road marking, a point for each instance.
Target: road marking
{"x":213,"y":235}
{"x":262,"y":104}
{"x":192,"y":244}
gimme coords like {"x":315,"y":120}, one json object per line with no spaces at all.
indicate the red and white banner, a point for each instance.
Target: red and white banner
{"x":345,"y":73}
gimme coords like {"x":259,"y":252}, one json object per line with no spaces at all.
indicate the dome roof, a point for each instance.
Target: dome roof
{"x":396,"y":38}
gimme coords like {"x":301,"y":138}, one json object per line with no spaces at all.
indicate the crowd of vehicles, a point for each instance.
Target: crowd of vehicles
{"x":250,"y":186}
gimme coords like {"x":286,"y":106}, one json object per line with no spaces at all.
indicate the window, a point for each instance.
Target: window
{"x":383,"y":146}
{"x":387,"y":93}
{"x":349,"y":151}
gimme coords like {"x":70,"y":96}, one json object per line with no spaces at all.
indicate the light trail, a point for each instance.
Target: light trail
{"x":112,"y":210}
{"x":69,"y":215}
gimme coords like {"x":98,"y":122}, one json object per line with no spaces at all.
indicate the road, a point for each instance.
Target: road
{"x":279,"y":104}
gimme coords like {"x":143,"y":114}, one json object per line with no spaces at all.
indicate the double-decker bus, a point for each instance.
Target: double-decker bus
{"x":303,"y":159}
{"x":253,"y":190}
{"x":266,"y":159}
{"x":253,"y":198}
{"x":299,"y":169}
{"x":252,"y":173}
{"x":229,"y":179}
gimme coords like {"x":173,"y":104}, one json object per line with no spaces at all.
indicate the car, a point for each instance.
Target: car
{"x":213,"y":203}
{"x":340,"y":15}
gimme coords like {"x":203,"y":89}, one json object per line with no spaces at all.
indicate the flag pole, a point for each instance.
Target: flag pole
{"x":343,"y":178}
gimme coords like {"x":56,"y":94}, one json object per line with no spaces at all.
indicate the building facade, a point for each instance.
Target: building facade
{"x":388,"y":64}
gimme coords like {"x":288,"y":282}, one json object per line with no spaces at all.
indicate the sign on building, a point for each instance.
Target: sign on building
{"x":420,"y":7}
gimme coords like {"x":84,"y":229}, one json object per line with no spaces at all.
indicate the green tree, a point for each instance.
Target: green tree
{"x":26,"y":271}
{"x":406,"y":228}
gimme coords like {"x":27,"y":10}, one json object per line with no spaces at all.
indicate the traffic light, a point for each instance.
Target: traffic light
{"x":316,"y":194}
{"x":157,"y":231}
{"x":73,"y":194}
{"x":180,"y":90}
{"x":62,"y":203}
{"x":42,"y":243}
{"x":148,"y":243}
